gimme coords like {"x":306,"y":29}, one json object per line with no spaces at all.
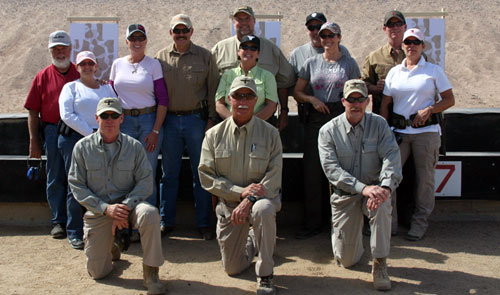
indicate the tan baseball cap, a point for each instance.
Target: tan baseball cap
{"x":109,"y":104}
{"x":181,"y":19}
{"x":355,"y":85}
{"x":243,"y":82}
{"x":245,"y":9}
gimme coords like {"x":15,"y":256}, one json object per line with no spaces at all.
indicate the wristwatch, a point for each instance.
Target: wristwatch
{"x":252,"y":199}
{"x":156,"y":131}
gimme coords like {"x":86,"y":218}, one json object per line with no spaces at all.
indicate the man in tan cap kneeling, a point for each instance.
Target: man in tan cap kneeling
{"x":111,"y":176}
{"x":360,"y":158}
{"x":241,"y":163}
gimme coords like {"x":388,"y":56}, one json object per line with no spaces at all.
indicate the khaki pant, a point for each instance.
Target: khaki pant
{"x":425,"y":150}
{"x":238,"y":244}
{"x":99,"y":239}
{"x":347,"y":225}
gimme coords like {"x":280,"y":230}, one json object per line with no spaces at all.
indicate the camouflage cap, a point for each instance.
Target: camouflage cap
{"x":355,"y":85}
{"x":394,"y":13}
{"x":243,"y":82}
{"x":181,"y":19}
{"x":332,"y":27}
{"x":245,"y":9}
{"x":109,"y":104}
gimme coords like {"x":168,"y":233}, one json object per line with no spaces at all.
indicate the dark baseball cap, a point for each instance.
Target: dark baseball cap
{"x":394,"y":13}
{"x":250,"y":39}
{"x":135,"y":28}
{"x":319,"y":16}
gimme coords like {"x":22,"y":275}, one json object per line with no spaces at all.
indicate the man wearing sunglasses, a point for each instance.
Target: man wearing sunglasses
{"x":360,"y":158}
{"x":379,"y":62}
{"x":192,"y":77}
{"x":241,"y":163}
{"x":271,"y":58}
{"x":111,"y":176}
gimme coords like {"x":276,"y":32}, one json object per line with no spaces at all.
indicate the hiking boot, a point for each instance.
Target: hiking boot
{"x":76,"y":243}
{"x":165,"y":230}
{"x":115,"y":252}
{"x":58,"y":231}
{"x":381,"y":280}
{"x":151,"y":280}
{"x":265,"y":285}
{"x":206,"y":233}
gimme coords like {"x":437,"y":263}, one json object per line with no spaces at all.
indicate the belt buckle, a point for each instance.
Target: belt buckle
{"x":409,"y":122}
{"x":135,"y":112}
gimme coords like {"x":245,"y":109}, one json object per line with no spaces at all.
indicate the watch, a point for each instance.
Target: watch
{"x":156,"y":132}
{"x":252,"y":199}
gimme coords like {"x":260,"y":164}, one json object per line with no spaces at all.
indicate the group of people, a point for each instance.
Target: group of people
{"x":102,"y":141}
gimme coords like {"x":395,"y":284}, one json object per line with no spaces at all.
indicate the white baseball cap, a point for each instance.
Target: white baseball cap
{"x":59,"y":38}
{"x":414,"y":32}
{"x":85,"y":55}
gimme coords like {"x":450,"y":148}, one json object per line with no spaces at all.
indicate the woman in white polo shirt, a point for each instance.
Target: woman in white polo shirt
{"x":138,"y":81}
{"x":413,"y":87}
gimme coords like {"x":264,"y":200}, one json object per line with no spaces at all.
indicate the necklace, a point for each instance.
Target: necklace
{"x":135,"y":66}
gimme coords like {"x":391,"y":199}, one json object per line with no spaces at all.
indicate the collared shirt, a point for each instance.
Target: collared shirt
{"x":233,"y":157}
{"x":270,"y":58}
{"x":414,"y":90}
{"x":379,"y":62}
{"x":44,"y":93}
{"x":264,"y":80}
{"x":355,"y":156}
{"x":98,"y":179}
{"x":191,"y":78}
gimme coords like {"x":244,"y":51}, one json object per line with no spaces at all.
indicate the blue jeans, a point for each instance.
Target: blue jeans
{"x":74,"y":225}
{"x":56,"y":178}
{"x":139,"y":127}
{"x":182,"y":131}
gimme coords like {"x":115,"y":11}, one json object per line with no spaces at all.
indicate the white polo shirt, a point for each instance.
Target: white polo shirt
{"x":414,"y":90}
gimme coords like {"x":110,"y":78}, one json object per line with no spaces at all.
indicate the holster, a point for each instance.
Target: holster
{"x":303,"y":110}
{"x":64,"y":129}
{"x":204,"y":110}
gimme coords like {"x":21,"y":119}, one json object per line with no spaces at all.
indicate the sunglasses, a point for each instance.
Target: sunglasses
{"x":87,"y":63}
{"x":248,"y":47}
{"x":414,"y":42}
{"x":313,"y":28}
{"x":356,"y":99}
{"x":113,"y":116}
{"x":184,"y":31}
{"x":394,"y":24}
{"x":243,"y":96}
{"x":136,"y":38}
{"x":329,"y":36}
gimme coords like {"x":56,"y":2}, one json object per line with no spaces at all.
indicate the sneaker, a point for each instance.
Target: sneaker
{"x":413,"y":238}
{"x":58,"y":231}
{"x":265,"y":285}
{"x":135,"y":236}
{"x":76,"y":243}
{"x":206,"y":233}
{"x":165,"y":230}
{"x":115,"y":252}
{"x":381,"y":280}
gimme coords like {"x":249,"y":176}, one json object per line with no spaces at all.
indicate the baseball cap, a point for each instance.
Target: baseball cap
{"x":85,"y":55}
{"x":332,"y":27}
{"x":59,"y":38}
{"x":250,"y":38}
{"x":135,"y":28}
{"x":109,"y":104}
{"x":316,"y":16}
{"x":414,"y":32}
{"x":394,"y":13}
{"x":180,"y":19}
{"x":245,"y":9}
{"x":243,"y":82}
{"x":355,"y":85}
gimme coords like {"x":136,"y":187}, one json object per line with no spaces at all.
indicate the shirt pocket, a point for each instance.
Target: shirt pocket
{"x":382,"y":70}
{"x":223,"y":162}
{"x":195,"y":74}
{"x":124,"y":173}
{"x":258,"y":163}
{"x":370,"y":159}
{"x":94,"y":169}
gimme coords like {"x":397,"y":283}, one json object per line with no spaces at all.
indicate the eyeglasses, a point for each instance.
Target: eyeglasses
{"x":184,"y":31}
{"x":248,"y":47}
{"x":113,"y":116}
{"x":414,"y":42}
{"x":137,"y":38}
{"x":394,"y":24}
{"x":313,"y":28}
{"x":329,"y":36}
{"x":356,"y":99}
{"x":243,"y":96}
{"x":87,"y":63}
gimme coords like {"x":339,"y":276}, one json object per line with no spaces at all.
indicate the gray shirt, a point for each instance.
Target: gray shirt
{"x":327,"y":78}
{"x":98,"y":179}
{"x":300,"y":54}
{"x":354,"y":157}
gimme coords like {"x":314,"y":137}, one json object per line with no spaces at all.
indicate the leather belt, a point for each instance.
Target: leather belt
{"x":138,"y":112}
{"x":184,"y":113}
{"x":339,"y":191}
{"x":400,"y":122}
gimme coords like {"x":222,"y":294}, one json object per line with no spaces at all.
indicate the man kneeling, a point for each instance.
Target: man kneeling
{"x":360,"y":158}
{"x":110,"y":176}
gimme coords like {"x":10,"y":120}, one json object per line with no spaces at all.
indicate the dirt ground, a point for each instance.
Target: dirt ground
{"x":453,"y":258}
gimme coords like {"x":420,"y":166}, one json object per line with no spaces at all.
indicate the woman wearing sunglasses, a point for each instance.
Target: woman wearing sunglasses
{"x":77,"y":104}
{"x":414,"y":87}
{"x":138,"y":81}
{"x":325,"y":74}
{"x":267,"y":91}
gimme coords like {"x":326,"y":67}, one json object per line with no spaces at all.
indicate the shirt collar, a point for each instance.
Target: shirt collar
{"x":99,"y":140}
{"x":421,"y":63}
{"x":172,"y":49}
{"x":348,"y":127}
{"x":248,"y":126}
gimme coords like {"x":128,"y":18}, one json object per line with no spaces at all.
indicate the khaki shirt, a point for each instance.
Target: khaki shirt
{"x":190,"y":78}
{"x":233,"y":157}
{"x":270,"y":58}
{"x":97,"y":180}
{"x":354,"y":157}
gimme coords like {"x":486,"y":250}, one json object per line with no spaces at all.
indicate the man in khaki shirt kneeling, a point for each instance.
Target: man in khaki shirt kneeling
{"x":241,"y":163}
